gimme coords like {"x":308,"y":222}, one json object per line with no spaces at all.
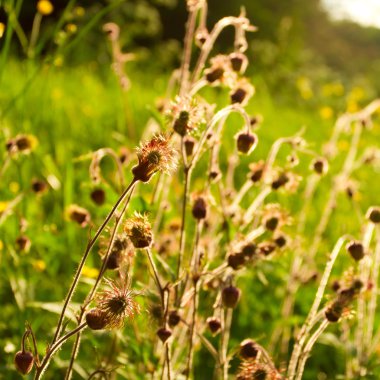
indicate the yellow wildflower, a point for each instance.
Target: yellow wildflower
{"x":2,"y":29}
{"x":326,"y":112}
{"x":39,"y":265}
{"x":45,"y":7}
{"x":90,"y":272}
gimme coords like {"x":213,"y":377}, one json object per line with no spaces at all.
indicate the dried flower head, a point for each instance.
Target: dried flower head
{"x":78,"y":214}
{"x":253,"y":370}
{"x":248,"y":349}
{"x":274,"y":217}
{"x":373,"y":214}
{"x":238,"y":61}
{"x":116,"y":303}
{"x":187,"y":114}
{"x":139,"y":230}
{"x":355,"y":249}
{"x":98,"y":196}
{"x":320,"y":165}
{"x":22,"y":144}
{"x":220,"y":71}
{"x":256,"y":171}
{"x":242,"y":92}
{"x":246,"y":142}
{"x":39,"y":186}
{"x":154,"y":156}
{"x":214,"y":325}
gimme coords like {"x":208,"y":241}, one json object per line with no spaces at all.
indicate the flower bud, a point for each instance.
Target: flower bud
{"x":79,"y":215}
{"x":38,"y":186}
{"x":271,"y":223}
{"x":320,"y":165}
{"x":373,"y":214}
{"x":164,"y":334}
{"x":280,"y":181}
{"x":214,"y":325}
{"x":246,"y":142}
{"x":355,"y":249}
{"x":238,"y":95}
{"x":189,"y":143}
{"x":96,"y":319}
{"x":248,"y":349}
{"x":214,"y":74}
{"x":249,"y":250}
{"x":230,"y":296}
{"x":235,"y":260}
{"x":174,"y":318}
{"x":24,"y":362}
{"x":238,"y":62}
{"x":334,"y":312}
{"x":98,"y":196}
{"x":139,"y":231}
{"x":280,"y":241}
{"x":181,"y":123}
{"x":199,"y":210}
{"x":266,"y":248}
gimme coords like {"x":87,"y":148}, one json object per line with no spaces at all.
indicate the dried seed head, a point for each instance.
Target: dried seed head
{"x":248,"y":349}
{"x":39,"y":186}
{"x":116,"y":303}
{"x":189,"y":143}
{"x":154,"y":156}
{"x":23,"y":243}
{"x":199,"y":209}
{"x":256,"y":120}
{"x":201,"y":36}
{"x":355,"y":249}
{"x":320,"y":165}
{"x":373,"y":214}
{"x":266,"y":248}
{"x":242,"y":92}
{"x":249,"y":250}
{"x":98,"y":196}
{"x":79,"y":215}
{"x":96,"y":319}
{"x":164,"y":334}
{"x":280,"y":240}
{"x":253,"y":370}
{"x":24,"y":362}
{"x":220,"y":71}
{"x":214,"y":325}
{"x":334,"y":312}
{"x":239,"y":62}
{"x":22,"y":144}
{"x":230,"y":296}
{"x":246,"y":142}
{"x":280,"y":181}
{"x":335,"y":286}
{"x":139,"y":231}
{"x":256,"y":171}
{"x":174,"y":318}
{"x":236,"y":260}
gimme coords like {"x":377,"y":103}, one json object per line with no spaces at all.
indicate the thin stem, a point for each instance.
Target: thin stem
{"x":90,"y":244}
{"x":225,"y":340}
{"x":35,"y":31}
{"x":309,"y":346}
{"x":314,"y":308}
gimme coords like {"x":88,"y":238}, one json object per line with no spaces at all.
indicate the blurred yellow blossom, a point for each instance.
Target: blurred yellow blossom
{"x":1,"y":245}
{"x":343,"y":145}
{"x":352,"y":106}
{"x":3,"y":206}
{"x":58,"y":61}
{"x":39,"y":265}
{"x":333,"y":89}
{"x":326,"y":112}
{"x":304,"y":87}
{"x":2,"y":29}
{"x":45,"y":7}
{"x":71,"y":28}
{"x":79,"y":11}
{"x":14,"y":187}
{"x":90,"y":272}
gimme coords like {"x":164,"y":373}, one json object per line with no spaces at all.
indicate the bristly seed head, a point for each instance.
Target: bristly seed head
{"x":373,"y":214}
{"x":139,"y":231}
{"x":116,"y":304}
{"x":154,"y":156}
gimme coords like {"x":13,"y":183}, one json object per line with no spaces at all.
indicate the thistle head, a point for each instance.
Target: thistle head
{"x":156,"y":155}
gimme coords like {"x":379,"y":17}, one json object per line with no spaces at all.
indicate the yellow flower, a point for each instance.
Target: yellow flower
{"x":45,"y":7}
{"x":14,"y":187}
{"x":79,"y":11}
{"x":2,"y":29}
{"x":39,"y":265}
{"x":333,"y":89}
{"x":1,"y":245}
{"x":3,"y":206}
{"x":90,"y":272}
{"x":304,"y":87}
{"x":326,"y":113}
{"x":71,"y":28}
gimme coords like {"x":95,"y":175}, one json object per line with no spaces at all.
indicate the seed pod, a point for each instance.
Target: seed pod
{"x":114,"y":260}
{"x":355,"y":249}
{"x":189,"y":143}
{"x":214,"y":325}
{"x":39,"y":186}
{"x":320,"y":165}
{"x":249,"y":250}
{"x":164,"y":334}
{"x":139,"y":231}
{"x":235,"y":260}
{"x":280,"y":181}
{"x":271,"y":223}
{"x":238,"y":95}
{"x":96,"y":319}
{"x":373,"y":214}
{"x":280,"y":241}
{"x":230,"y":296}
{"x":238,"y":62}
{"x":174,"y":318}
{"x":248,"y":349}
{"x":24,"y":362}
{"x":98,"y":196}
{"x":334,"y":312}
{"x":199,"y":210}
{"x":214,"y":74}
{"x":79,"y":215}
{"x":246,"y":142}
{"x":181,"y":123}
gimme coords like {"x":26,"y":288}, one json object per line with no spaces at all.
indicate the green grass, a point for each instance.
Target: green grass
{"x":73,"y":111}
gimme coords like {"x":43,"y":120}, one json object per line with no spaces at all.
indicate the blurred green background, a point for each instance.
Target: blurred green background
{"x":307,"y":70}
